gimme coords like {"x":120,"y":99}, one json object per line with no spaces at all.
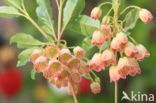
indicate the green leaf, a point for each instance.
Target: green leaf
{"x":6,"y":11}
{"x":84,"y":25}
{"x":33,"y":73}
{"x":86,"y":43}
{"x":44,"y":13}
{"x":131,"y":19}
{"x":25,"y":40}
{"x":23,"y":57}
{"x":14,"y":3}
{"x":89,"y":48}
{"x":72,"y":9}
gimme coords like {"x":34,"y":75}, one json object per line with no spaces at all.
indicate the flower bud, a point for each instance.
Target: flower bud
{"x":106,"y":20}
{"x":108,"y":57}
{"x":79,"y":52}
{"x":98,"y":38}
{"x":145,"y":15}
{"x":35,"y":55}
{"x":40,"y":64}
{"x":113,"y":74}
{"x":96,"y":13}
{"x":95,"y":87}
{"x":96,"y":63}
{"x":142,"y":52}
{"x":51,"y":51}
{"x":130,"y":50}
{"x":65,"y":56}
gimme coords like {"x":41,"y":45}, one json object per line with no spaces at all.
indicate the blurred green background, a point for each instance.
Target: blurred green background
{"x":39,"y":91}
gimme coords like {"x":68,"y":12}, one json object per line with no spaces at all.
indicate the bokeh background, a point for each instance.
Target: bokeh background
{"x":18,"y":87}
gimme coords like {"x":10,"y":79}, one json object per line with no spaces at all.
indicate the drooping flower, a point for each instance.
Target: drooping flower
{"x":145,"y":15}
{"x":105,"y":28}
{"x":79,"y":52}
{"x":54,"y":67}
{"x":142,"y":52}
{"x":75,"y":78}
{"x":58,"y":83}
{"x":118,"y":43}
{"x":74,"y":65}
{"x":113,"y":74}
{"x":95,"y":87}
{"x":63,"y":75}
{"x":35,"y":55}
{"x":48,"y":75}
{"x":64,"y":56}
{"x":96,"y":63}
{"x":96,"y":13}
{"x":51,"y":51}
{"x":40,"y":64}
{"x":135,"y":67}
{"x":84,"y":68}
{"x":124,"y":66}
{"x":130,"y":50}
{"x":108,"y":57}
{"x":98,"y":38}
{"x":128,"y":66}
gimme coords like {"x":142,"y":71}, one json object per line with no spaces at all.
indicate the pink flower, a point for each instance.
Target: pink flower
{"x":98,"y":38}
{"x":96,"y":13}
{"x":64,"y":56}
{"x":79,"y":52}
{"x":95,"y":87}
{"x":108,"y":57}
{"x":75,"y":78}
{"x":73,"y":65}
{"x":51,"y":51}
{"x":145,"y":15}
{"x":105,"y":28}
{"x":128,"y":66}
{"x":142,"y":52}
{"x":124,"y":66}
{"x":119,"y":42}
{"x":130,"y":50}
{"x":54,"y":67}
{"x":48,"y":75}
{"x":113,"y":74}
{"x":96,"y":63}
{"x":35,"y":55}
{"x":63,"y":75}
{"x":84,"y":68}
{"x":40,"y":64}
{"x":135,"y":67}
{"x":58,"y":83}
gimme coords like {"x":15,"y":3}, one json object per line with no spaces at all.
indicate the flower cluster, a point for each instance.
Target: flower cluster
{"x":59,"y":65}
{"x":122,"y":54}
